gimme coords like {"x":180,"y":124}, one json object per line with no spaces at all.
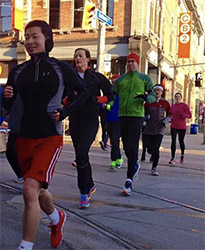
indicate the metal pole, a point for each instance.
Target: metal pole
{"x":159,"y":42}
{"x":101,"y":39}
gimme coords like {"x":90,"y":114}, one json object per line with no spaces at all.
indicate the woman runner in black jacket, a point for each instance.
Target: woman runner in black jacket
{"x":84,"y":121}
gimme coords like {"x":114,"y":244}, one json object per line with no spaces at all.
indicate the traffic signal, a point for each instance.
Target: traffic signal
{"x":88,"y":13}
{"x":198,"y":79}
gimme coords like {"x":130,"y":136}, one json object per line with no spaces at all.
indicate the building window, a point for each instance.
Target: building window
{"x":154,"y":16}
{"x":54,"y":14}
{"x":156,"y":28}
{"x":5,"y":15}
{"x":78,"y":13}
{"x":110,"y":8}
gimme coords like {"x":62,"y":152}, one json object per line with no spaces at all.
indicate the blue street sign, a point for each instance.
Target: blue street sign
{"x":104,"y":18}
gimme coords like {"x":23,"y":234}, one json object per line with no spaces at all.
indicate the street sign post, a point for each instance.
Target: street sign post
{"x":104,"y":18}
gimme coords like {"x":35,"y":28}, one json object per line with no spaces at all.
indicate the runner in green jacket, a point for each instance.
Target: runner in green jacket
{"x":134,"y":90}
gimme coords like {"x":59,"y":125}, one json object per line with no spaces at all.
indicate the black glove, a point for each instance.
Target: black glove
{"x":144,"y":97}
{"x":63,"y":113}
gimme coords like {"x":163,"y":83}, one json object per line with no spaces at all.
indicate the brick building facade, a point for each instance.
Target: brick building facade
{"x":149,"y":28}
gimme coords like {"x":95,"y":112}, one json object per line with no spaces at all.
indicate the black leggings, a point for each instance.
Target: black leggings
{"x":83,"y":132}
{"x":130,"y":128}
{"x":153,"y":143}
{"x":181,"y":134}
{"x":114,"y":134}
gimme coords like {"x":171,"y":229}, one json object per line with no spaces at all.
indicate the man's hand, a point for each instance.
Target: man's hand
{"x":8,"y":92}
{"x":56,"y":116}
{"x":103,"y":105}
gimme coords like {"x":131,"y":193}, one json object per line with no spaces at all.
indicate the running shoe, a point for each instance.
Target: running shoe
{"x":182,"y":159}
{"x":57,"y":230}
{"x":137,"y":168}
{"x":154,"y":172}
{"x":113,"y":165}
{"x":84,"y":201}
{"x":92,"y":191}
{"x":127,"y":188}
{"x":119,"y":163}
{"x":74,"y":164}
{"x":172,"y":162}
{"x":19,"y":180}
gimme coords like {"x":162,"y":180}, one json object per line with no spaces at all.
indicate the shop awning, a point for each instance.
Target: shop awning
{"x":66,"y":52}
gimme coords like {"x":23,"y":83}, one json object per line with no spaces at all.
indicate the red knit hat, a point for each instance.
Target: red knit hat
{"x":115,"y":76}
{"x":134,"y":56}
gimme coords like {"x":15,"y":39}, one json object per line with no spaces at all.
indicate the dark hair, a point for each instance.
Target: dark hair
{"x":46,"y":30}
{"x":87,"y":54}
{"x":178,"y":94}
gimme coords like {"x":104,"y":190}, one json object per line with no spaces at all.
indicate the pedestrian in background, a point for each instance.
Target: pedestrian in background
{"x":159,"y":115}
{"x":11,"y":150}
{"x":180,"y":112}
{"x":132,"y":89}
{"x":14,"y":118}
{"x":2,"y":112}
{"x":39,"y":84}
{"x":113,"y":126}
{"x":144,"y":141}
{"x":84,"y":121}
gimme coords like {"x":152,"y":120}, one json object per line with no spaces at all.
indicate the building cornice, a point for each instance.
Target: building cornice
{"x":193,"y":8}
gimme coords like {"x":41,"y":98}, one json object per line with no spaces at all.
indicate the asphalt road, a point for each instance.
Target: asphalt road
{"x":164,"y":212}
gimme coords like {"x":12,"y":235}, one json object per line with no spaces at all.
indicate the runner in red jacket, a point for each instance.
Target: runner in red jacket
{"x":180,"y":112}
{"x":159,"y":114}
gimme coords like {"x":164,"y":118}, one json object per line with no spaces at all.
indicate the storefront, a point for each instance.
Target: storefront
{"x":7,"y":62}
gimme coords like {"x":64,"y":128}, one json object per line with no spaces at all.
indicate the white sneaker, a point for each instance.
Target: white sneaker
{"x":127,"y":188}
{"x":154,"y":172}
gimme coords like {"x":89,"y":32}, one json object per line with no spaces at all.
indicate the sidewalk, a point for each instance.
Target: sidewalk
{"x":192,"y":142}
{"x":164,"y":212}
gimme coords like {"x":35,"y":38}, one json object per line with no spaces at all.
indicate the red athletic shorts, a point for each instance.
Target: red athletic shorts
{"x":38,"y":157}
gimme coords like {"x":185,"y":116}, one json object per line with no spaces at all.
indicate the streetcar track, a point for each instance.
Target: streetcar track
{"x":134,"y":192}
{"x":142,"y":193}
{"x":126,"y":243}
{"x":145,"y":194}
{"x":98,"y":227}
{"x":103,"y":229}
{"x":173,"y":168}
{"x":108,"y":232}
{"x":103,"y":155}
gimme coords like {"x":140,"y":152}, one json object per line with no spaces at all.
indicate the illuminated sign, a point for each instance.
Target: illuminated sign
{"x":17,"y":14}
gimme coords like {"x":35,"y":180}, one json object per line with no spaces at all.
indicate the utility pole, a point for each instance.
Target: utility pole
{"x":159,"y":42}
{"x":101,"y":39}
